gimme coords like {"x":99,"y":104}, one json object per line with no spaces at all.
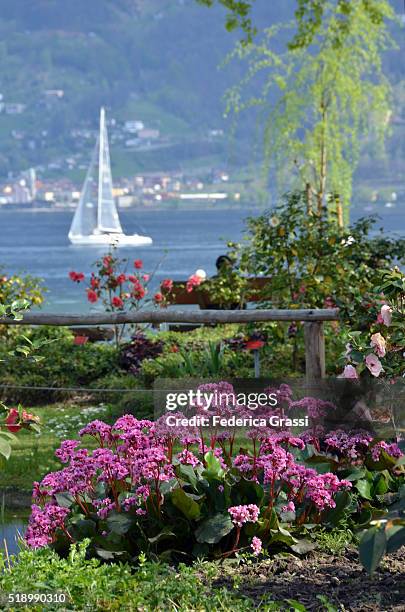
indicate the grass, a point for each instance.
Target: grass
{"x":33,"y":455}
{"x":89,"y":585}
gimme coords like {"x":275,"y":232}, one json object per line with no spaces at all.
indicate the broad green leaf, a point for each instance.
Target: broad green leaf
{"x":188,"y":474}
{"x":395,"y":537}
{"x":186,"y":504}
{"x":212,"y":530}
{"x":120,"y":523}
{"x":372,"y":548}
{"x":364,"y":488}
{"x":165,"y":534}
{"x":303,"y":546}
{"x":213,"y":467}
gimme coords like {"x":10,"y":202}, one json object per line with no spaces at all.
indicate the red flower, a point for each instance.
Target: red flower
{"x":92,"y":296}
{"x":132,"y":278}
{"x":13,"y":417}
{"x":121,"y":278}
{"x":117,"y":302}
{"x":174,"y":349}
{"x":94,"y":282}
{"x":254,"y":345}
{"x":107,"y":261}
{"x":139,"y":293}
{"x":167,"y":284}
{"x":76,"y":277}
{"x":146,"y":277}
{"x":158,"y":298}
{"x":138,"y":263}
{"x":79,"y":340}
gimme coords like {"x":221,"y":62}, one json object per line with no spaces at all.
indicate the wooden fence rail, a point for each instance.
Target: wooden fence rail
{"x":313,"y":324}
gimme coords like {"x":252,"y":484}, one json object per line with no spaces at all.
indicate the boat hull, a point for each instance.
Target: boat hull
{"x":119,"y":240}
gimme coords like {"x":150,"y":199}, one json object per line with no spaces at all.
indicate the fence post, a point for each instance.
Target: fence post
{"x":314,"y":350}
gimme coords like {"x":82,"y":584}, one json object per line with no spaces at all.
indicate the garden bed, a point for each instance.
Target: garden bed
{"x":340,"y":579}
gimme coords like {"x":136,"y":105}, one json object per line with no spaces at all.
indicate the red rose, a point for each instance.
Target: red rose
{"x":138,"y":263}
{"x":117,"y":302}
{"x":139,"y":293}
{"x":158,"y":298}
{"x":13,"y":417}
{"x":167,"y":284}
{"x":92,"y":296}
{"x":121,"y":278}
{"x":106,"y":261}
{"x":132,"y":278}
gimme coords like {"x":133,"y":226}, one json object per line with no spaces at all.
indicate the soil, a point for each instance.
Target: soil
{"x":341,"y":579}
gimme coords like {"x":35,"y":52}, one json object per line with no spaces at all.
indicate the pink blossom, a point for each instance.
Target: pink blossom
{"x":193,"y":281}
{"x":256,"y":546}
{"x":244,"y":514}
{"x":349,"y":372}
{"x":374,"y":364}
{"x":378,"y":343}
{"x":290,"y":507}
{"x":386,"y":314}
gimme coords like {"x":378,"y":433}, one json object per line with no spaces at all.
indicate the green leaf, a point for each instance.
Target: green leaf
{"x":165,"y":534}
{"x":213,"y":529}
{"x":186,"y":504}
{"x":395,"y":537}
{"x":120,"y":523}
{"x":364,"y":488}
{"x":83,"y":528}
{"x":372,"y":548}
{"x":213,"y":467}
{"x":303,"y":546}
{"x":188,"y":474}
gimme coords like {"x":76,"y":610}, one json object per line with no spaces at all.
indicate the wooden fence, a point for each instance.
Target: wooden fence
{"x":313,"y":324}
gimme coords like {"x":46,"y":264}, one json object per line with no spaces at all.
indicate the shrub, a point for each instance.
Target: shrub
{"x":181,"y":493}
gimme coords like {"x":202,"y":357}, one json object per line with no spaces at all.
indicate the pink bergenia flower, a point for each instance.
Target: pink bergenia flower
{"x":349,"y":372}
{"x":386,"y":314}
{"x":256,"y":546}
{"x":244,"y":514}
{"x":290,"y":507}
{"x":378,"y":343}
{"x":374,"y":365}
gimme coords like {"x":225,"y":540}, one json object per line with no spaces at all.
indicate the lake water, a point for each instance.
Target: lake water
{"x":183,"y":241}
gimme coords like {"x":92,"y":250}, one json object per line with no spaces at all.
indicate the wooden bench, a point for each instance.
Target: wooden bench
{"x":258,"y":289}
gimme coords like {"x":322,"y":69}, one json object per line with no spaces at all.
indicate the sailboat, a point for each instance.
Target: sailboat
{"x":96,"y":221}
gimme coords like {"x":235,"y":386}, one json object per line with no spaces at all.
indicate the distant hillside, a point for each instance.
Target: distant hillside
{"x":157,"y":61}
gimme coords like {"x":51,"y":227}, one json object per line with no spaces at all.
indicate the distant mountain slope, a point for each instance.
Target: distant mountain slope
{"x":152,"y":60}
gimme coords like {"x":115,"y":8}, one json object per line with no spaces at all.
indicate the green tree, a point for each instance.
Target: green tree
{"x":321,"y":102}
{"x":309,"y":16}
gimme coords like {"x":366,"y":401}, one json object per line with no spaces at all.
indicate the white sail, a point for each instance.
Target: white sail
{"x":85,"y":218}
{"x":96,"y":221}
{"x":108,"y":220}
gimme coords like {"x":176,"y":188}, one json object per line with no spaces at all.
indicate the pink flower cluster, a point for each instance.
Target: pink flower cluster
{"x":244,"y":514}
{"x":133,"y":459}
{"x":43,"y":524}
